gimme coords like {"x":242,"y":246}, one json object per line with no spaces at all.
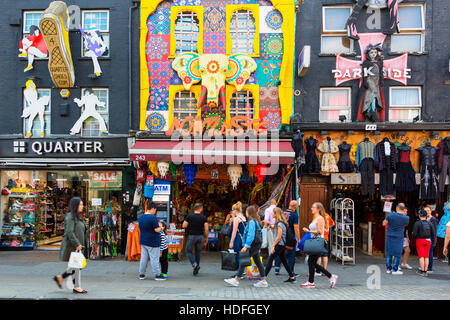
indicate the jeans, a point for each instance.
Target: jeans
{"x":76,"y":273}
{"x":194,"y":242}
{"x":389,"y":265}
{"x":313,"y":266}
{"x":290,"y":255}
{"x":279,"y":253}
{"x":163,"y":260}
{"x":257,"y":258}
{"x":152,"y":254}
{"x":430,"y":263}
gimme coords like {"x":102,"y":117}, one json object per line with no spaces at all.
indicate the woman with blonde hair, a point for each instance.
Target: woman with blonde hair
{"x":279,"y":244}
{"x":238,"y":227}
{"x":317,"y":229}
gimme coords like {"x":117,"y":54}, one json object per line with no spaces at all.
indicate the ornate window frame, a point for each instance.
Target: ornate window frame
{"x":230,"y":10}
{"x":253,"y":88}
{"x":174,"y":89}
{"x":174,"y":11}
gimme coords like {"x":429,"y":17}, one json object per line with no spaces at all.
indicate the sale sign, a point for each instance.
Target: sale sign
{"x":104,"y":176}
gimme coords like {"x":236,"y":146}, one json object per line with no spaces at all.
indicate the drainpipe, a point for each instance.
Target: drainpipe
{"x":135,"y":6}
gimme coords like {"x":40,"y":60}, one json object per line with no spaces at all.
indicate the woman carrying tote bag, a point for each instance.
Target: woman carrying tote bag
{"x":74,"y":239}
{"x":238,"y":227}
{"x":317,"y":228}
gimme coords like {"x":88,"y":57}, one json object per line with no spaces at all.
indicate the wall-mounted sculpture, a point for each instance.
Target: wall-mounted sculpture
{"x":96,"y":47}
{"x":36,"y":107}
{"x":33,"y":46}
{"x":213,"y":70}
{"x":89,"y":101}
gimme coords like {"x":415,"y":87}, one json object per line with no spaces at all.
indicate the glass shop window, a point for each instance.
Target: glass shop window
{"x":412,"y":29}
{"x":187,"y":30}
{"x":335,"y":102}
{"x":91,"y":126}
{"x":184,"y":105}
{"x":242,"y":104}
{"x":242,"y":32}
{"x":30,"y":18}
{"x":405,"y":104}
{"x":334,"y":33}
{"x":97,"y":21}
{"x":36,"y":130}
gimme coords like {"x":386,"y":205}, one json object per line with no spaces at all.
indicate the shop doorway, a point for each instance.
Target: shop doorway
{"x":310,"y":193}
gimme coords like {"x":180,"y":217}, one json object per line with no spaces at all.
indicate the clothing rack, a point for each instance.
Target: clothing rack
{"x":343,"y":247}
{"x":103,"y":234}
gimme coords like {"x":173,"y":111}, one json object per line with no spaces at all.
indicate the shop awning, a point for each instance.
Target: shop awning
{"x":209,"y":152}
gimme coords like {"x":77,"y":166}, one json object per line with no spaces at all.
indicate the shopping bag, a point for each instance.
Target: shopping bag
{"x":301,"y":244}
{"x":253,"y":271}
{"x":315,"y":246}
{"x":244,"y":258}
{"x":77,"y":260}
{"x":264,"y":238}
{"x":229,"y":261}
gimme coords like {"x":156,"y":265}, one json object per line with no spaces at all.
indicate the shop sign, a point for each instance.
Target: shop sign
{"x":96,"y":201}
{"x":104,"y":176}
{"x":239,"y":125}
{"x":162,"y":189}
{"x":304,"y":61}
{"x":48,"y":147}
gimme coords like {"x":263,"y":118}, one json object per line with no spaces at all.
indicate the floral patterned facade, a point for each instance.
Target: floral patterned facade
{"x":210,"y":36}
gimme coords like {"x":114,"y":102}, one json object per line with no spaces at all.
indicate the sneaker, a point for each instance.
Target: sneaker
{"x":406,"y":266}
{"x":296,"y":275}
{"x":397,"y":273}
{"x":160,"y":277}
{"x":277,"y":271}
{"x":425,"y":273}
{"x":142,"y":277}
{"x":333,"y":281}
{"x":164,"y":275}
{"x":261,"y":284}
{"x":308,"y":285}
{"x":195,"y":271}
{"x":54,"y":26}
{"x":232,"y":281}
{"x":317,"y":274}
{"x":388,"y":271}
{"x":429,"y":271}
{"x":399,"y":269}
{"x":291,"y":280}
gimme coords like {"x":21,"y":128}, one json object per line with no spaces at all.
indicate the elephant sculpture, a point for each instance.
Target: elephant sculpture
{"x":213,"y":70}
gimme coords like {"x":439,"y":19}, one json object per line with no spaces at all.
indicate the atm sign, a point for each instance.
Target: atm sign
{"x":104,"y":176}
{"x":162,"y":188}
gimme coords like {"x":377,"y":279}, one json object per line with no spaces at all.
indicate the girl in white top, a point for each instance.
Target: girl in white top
{"x":317,"y":228}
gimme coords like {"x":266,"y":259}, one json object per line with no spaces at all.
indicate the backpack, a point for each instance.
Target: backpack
{"x":290,"y":237}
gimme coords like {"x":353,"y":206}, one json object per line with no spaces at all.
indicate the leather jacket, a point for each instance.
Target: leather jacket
{"x":428,"y":156}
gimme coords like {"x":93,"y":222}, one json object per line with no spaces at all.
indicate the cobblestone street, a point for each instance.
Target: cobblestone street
{"x":27,"y":275}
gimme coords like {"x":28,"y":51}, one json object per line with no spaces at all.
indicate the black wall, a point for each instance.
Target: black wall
{"x":115,"y":68}
{"x":429,"y":70}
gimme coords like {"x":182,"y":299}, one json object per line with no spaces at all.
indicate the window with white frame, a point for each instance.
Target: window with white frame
{"x":95,"y":20}
{"x":334,"y":32}
{"x":242,"y":32}
{"x":30,"y":18}
{"x":184,"y":105}
{"x":405,"y":103}
{"x":187,"y":30}
{"x":37,"y":128}
{"x":242,"y":104}
{"x":91,"y":126}
{"x":335,"y":102}
{"x":412,"y":27}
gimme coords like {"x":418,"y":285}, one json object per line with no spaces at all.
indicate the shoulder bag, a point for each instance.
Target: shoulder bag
{"x":315,"y":246}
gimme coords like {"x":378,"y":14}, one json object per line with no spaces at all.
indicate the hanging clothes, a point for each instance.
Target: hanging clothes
{"x":344,"y":164}
{"x":365,"y":155}
{"x":328,"y":147}
{"x":134,"y":247}
{"x":312,"y":164}
{"x":386,"y":162}
{"x":443,"y":162}
{"x":429,"y":188}
{"x":405,"y":179}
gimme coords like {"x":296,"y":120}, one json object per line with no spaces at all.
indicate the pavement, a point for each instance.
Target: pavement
{"x":28,"y":275}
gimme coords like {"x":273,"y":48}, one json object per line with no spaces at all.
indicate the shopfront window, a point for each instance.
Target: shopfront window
{"x":335,"y":102}
{"x":33,"y":211}
{"x":405,"y":104}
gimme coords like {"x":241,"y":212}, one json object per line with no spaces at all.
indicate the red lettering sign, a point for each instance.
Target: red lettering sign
{"x":104,"y":176}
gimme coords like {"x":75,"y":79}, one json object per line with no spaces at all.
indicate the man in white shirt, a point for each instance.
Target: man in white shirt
{"x":269,"y":222}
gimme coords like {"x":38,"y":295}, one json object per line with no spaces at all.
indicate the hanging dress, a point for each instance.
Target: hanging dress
{"x":405,"y":179}
{"x":328,"y":147}
{"x":312,"y":164}
{"x":345,"y":164}
{"x":429,"y":188}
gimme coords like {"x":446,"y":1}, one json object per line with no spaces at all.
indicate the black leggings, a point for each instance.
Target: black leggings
{"x":313,"y":266}
{"x":280,"y":252}
{"x":163,"y":260}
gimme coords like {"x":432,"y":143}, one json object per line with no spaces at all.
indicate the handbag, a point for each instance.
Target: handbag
{"x":301,"y":244}
{"x":315,"y":246}
{"x":76,"y":260}
{"x":245,"y":258}
{"x":225,"y":229}
{"x":229,"y":261}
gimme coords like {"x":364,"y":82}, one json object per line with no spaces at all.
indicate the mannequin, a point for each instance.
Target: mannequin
{"x":311,"y":161}
{"x":406,"y":176}
{"x":386,"y":162}
{"x":428,"y":172}
{"x":365,"y":154}
{"x":328,"y":147}
{"x":443,"y":162}
{"x":345,"y":165}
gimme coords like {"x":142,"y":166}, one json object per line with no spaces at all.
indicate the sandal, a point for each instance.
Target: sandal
{"x":75,"y":291}
{"x":57,"y":282}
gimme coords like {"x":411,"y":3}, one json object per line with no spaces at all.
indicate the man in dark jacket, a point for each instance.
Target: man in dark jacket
{"x":435,"y":224}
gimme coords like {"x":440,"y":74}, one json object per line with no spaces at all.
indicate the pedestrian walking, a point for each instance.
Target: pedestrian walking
{"x":435,"y":225}
{"x":197,"y":229}
{"x":406,"y":248}
{"x":396,"y":223}
{"x":269,"y":222}
{"x":279,"y":244}
{"x":252,"y":242}
{"x":329,"y":223}
{"x":423,"y":232}
{"x":238,"y":227}
{"x":317,"y":229}
{"x":150,"y":241}
{"x":292,"y":220}
{"x":164,"y":250}
{"x":73,"y":240}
